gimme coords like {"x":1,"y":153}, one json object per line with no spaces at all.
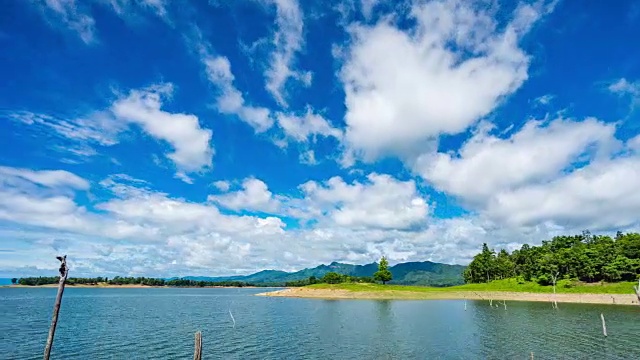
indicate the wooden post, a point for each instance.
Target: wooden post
{"x":555,"y":278}
{"x":604,"y":326}
{"x":64,"y":271}
{"x":197,"y":354}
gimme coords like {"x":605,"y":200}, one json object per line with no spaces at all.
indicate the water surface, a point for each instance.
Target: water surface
{"x":160,"y":324}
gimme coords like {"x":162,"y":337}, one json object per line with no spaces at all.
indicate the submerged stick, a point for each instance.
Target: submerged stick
{"x":234,"y":320}
{"x":197,"y":353}
{"x":64,"y":271}
{"x":604,"y":325}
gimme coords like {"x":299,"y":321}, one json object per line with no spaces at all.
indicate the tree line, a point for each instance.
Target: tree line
{"x":383,"y":275}
{"x":146,"y":281}
{"x":585,"y":257}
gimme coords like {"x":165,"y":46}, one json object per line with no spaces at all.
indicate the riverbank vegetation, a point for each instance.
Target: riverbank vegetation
{"x":506,"y":285}
{"x":120,"y":281}
{"x":584,"y":258}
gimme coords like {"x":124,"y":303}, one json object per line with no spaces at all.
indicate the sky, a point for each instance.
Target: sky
{"x":173,"y":138}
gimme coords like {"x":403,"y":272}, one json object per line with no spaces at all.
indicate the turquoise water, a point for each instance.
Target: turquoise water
{"x":160,"y":324}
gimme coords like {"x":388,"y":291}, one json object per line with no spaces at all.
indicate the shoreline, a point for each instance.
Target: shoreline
{"x":342,"y":294}
{"x":128,"y":286}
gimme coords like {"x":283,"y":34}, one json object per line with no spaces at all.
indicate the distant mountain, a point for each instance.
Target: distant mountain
{"x":425,"y":273}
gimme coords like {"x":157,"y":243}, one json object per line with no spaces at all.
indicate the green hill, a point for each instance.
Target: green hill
{"x":424,"y":273}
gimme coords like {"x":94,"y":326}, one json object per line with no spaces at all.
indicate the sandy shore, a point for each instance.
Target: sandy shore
{"x":617,"y":299}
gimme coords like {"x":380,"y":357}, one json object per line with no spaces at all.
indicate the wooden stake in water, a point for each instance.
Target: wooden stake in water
{"x":197,"y":353}
{"x":637,"y":290}
{"x":465,"y":304}
{"x":604,"y":325}
{"x":64,"y":271}
{"x":532,"y":355}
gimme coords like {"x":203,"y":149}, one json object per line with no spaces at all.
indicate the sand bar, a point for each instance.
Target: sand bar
{"x":617,"y":299}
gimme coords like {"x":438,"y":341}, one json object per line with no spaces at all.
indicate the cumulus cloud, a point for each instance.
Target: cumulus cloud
{"x":288,"y":40}
{"x":309,"y":125}
{"x":487,"y":164}
{"x":407,"y":86}
{"x":222,"y":185}
{"x":254,"y":195}
{"x":191,"y":142}
{"x":565,"y":175}
{"x":381,"y":202}
{"x":230,"y":100}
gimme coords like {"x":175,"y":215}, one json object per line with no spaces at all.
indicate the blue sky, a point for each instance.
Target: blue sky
{"x":164,"y":138}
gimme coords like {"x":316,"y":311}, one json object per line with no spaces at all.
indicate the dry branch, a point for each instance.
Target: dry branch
{"x":64,"y":271}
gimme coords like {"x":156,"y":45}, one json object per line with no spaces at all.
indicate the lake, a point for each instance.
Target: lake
{"x":160,"y":324}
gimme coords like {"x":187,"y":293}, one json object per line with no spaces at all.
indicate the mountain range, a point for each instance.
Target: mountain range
{"x":424,"y":273}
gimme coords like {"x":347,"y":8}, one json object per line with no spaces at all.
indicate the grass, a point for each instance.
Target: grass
{"x":509,"y":285}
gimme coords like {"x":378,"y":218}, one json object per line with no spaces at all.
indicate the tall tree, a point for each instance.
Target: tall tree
{"x":14,"y":281}
{"x":383,"y":274}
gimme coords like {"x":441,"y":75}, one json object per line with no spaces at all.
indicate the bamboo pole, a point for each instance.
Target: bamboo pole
{"x":197,"y":353}
{"x":604,"y":325}
{"x":64,"y":271}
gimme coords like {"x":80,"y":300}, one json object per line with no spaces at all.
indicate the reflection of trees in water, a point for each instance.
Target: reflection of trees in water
{"x":385,"y":345}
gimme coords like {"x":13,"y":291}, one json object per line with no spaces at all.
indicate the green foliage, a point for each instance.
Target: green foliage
{"x":508,"y":285}
{"x":332,"y":278}
{"x":383,"y":274}
{"x":14,"y":281}
{"x":35,"y":281}
{"x":585,"y":257}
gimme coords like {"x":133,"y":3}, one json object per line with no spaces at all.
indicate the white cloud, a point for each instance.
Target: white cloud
{"x":308,"y":157}
{"x":405,"y":87}
{"x":288,"y":40}
{"x":600,"y":196}
{"x":382,"y":202}
{"x":230,"y":100}
{"x":222,"y":185}
{"x":98,"y":128}
{"x":565,"y":175}
{"x":191,"y":142}
{"x":255,"y":195}
{"x":70,"y":14}
{"x":126,"y":8}
{"x":367,"y":7}
{"x":48,"y":178}
{"x":309,"y":125}
{"x":488,"y":164}
{"x":626,"y":89}
{"x":544,"y":99}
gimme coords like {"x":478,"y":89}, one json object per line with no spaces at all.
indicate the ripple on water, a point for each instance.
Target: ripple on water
{"x":160,"y":324}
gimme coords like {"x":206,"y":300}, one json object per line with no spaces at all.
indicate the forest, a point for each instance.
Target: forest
{"x":35,"y":281}
{"x":329,"y":278}
{"x":585,"y":257}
